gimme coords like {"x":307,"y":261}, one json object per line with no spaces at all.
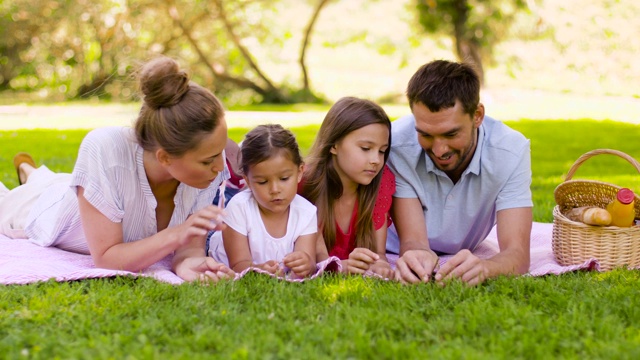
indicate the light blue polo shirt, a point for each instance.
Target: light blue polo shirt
{"x":459,"y":216}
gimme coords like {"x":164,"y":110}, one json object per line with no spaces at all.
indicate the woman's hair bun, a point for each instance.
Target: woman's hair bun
{"x":163,"y":83}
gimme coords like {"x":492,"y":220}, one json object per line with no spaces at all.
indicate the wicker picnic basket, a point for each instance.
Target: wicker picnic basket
{"x":575,"y":242}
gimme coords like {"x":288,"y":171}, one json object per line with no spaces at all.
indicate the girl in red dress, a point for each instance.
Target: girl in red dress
{"x":347,"y":179}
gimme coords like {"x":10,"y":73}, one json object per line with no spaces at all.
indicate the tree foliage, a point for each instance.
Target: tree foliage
{"x":476,"y":26}
{"x":84,"y":48}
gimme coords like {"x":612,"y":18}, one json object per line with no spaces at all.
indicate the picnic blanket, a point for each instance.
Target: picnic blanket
{"x":22,"y":262}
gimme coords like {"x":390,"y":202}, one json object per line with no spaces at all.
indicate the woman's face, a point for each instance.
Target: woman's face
{"x":200,"y":166}
{"x":359,"y":156}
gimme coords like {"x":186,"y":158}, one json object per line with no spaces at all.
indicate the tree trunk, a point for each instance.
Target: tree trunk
{"x":305,"y":44}
{"x":217,"y":70}
{"x":274,"y":92}
{"x":466,"y":47}
{"x":469,"y":52}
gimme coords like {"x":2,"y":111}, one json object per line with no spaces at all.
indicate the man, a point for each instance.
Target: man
{"x":458,"y":173}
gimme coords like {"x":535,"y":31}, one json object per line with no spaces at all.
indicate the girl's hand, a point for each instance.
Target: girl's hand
{"x":360,"y":260}
{"x":300,"y":263}
{"x":200,"y":223}
{"x":270,"y":266}
{"x":204,"y":269}
{"x":382,"y":268}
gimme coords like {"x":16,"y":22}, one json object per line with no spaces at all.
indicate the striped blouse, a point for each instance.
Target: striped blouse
{"x":111,"y":171}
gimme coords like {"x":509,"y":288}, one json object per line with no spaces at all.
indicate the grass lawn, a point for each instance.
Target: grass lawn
{"x":576,"y":315}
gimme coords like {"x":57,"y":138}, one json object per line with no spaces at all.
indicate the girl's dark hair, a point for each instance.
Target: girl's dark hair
{"x":440,"y":83}
{"x":175,"y":113}
{"x":266,"y":141}
{"x":322,"y":185}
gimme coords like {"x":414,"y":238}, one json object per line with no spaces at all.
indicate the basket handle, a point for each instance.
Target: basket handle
{"x":595,"y":152}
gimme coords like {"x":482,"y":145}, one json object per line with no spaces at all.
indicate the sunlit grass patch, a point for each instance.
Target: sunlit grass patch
{"x":353,"y":288}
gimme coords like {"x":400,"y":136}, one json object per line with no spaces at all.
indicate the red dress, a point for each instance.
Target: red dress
{"x":346,"y":242}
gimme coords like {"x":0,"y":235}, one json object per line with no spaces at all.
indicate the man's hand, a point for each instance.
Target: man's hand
{"x":416,"y":266}
{"x":464,"y":266}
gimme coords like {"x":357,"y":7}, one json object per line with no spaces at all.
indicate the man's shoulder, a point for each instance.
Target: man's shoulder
{"x":405,"y":149}
{"x":501,"y":138}
{"x":503,"y":149}
{"x":403,"y":131}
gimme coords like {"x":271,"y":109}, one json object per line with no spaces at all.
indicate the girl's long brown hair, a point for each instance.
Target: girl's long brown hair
{"x":322,"y":184}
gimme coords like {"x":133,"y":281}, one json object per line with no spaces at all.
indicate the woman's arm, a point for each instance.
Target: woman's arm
{"x":190,"y":263}
{"x":108,"y":249}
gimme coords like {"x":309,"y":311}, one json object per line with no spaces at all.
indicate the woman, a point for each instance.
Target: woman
{"x":136,"y":194}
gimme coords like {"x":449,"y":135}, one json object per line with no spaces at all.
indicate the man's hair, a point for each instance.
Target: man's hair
{"x":440,"y":83}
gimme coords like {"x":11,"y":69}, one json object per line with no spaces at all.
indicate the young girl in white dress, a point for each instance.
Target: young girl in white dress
{"x":269,"y":226}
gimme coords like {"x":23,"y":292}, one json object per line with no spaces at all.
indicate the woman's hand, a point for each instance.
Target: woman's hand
{"x":300,"y":263}
{"x":203,"y":268}
{"x":360,"y":260}
{"x":199,"y":224}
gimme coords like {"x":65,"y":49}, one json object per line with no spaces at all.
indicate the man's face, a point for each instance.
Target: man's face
{"x":448,"y":136}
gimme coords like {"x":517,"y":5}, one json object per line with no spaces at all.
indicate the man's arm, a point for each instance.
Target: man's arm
{"x":514,"y":233}
{"x":417,"y":261}
{"x":514,"y":236}
{"x":410,"y":224}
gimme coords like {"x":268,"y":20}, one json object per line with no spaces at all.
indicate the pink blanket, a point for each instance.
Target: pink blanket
{"x":22,"y":262}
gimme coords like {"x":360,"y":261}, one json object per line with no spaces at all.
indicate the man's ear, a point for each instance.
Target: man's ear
{"x":163,"y":157}
{"x":478,"y":116}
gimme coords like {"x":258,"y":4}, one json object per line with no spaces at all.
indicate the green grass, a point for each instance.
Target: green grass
{"x":575,"y":315}
{"x":571,"y":316}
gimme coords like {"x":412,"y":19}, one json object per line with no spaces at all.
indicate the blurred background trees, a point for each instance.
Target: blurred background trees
{"x":278,"y":51}
{"x":476,"y":26}
{"x":88,"y":48}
